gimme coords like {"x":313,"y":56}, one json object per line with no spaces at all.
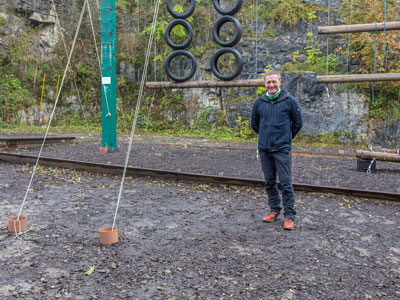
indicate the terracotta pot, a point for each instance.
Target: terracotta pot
{"x":103,"y":149}
{"x":108,"y":236}
{"x":15,"y":225}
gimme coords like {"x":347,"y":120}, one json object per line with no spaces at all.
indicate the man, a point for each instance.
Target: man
{"x":276,"y":118}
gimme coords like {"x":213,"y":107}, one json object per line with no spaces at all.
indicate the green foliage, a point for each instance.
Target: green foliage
{"x":2,"y":19}
{"x":4,"y":125}
{"x":287,"y":12}
{"x":385,"y":107}
{"x":167,"y":113}
{"x":362,"y":50}
{"x":315,"y":62}
{"x":244,"y":130}
{"x":13,"y":97}
{"x":82,"y":71}
{"x":321,"y":139}
{"x":124,"y":5}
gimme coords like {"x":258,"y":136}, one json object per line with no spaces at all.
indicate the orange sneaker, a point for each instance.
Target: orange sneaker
{"x":273,"y":216}
{"x":289,"y":224}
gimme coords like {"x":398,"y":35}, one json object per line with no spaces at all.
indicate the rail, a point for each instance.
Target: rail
{"x":132,"y":171}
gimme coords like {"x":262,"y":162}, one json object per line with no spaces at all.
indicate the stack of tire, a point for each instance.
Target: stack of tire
{"x":179,"y":48}
{"x":227,"y":16}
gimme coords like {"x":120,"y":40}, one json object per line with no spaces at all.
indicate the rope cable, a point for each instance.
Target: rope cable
{"x":327,"y":38}
{"x":256,"y":38}
{"x":349,"y":36}
{"x":372,"y":86}
{"x":152,"y":35}
{"x":54,"y":109}
{"x":384,"y":36}
{"x":73,"y":79}
{"x":148,"y":114}
{"x":155,"y":79}
{"x":398,"y":97}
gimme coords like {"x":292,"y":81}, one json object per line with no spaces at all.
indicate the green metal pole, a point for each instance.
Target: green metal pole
{"x":109,"y":75}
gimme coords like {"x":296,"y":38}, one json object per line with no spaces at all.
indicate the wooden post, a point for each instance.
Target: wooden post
{"x":205,"y":84}
{"x":260,"y":82}
{"x":358,"y":28}
{"x":359,"y":78}
{"x":378,"y":155}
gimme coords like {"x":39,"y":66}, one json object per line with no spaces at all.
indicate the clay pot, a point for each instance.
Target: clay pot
{"x":103,"y":150}
{"x":15,"y":225}
{"x":108,"y":236}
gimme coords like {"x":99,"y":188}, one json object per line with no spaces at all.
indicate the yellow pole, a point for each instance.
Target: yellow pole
{"x":58,"y":85}
{"x":41,"y":99}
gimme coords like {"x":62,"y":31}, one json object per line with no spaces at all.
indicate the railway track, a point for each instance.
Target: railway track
{"x":133,"y":171}
{"x":14,"y":142}
{"x":294,"y":153}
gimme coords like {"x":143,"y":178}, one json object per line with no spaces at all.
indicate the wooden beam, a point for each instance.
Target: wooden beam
{"x":378,"y":155}
{"x":260,"y":82}
{"x":358,"y":28}
{"x":359,"y":78}
{"x":205,"y":84}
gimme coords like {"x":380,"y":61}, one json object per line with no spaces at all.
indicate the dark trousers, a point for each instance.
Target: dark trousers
{"x":273,"y":164}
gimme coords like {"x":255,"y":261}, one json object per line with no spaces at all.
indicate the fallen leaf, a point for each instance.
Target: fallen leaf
{"x":90,"y":271}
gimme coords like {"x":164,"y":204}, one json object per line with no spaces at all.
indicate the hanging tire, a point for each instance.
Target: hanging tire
{"x":167,"y":65}
{"x":167,"y":34}
{"x":183,"y":15}
{"x":217,"y":28}
{"x":214,"y":63}
{"x":231,"y":11}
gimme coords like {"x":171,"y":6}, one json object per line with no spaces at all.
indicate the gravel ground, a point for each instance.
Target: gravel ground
{"x":170,"y":154}
{"x":196,"y":241}
{"x":190,"y":241}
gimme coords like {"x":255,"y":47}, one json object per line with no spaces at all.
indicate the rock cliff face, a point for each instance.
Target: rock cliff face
{"x":326,"y":108}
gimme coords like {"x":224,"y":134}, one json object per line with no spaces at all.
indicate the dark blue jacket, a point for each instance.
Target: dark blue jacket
{"x":276,"y":121}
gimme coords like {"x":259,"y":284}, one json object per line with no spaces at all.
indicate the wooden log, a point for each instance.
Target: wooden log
{"x":358,"y":78}
{"x":205,"y":84}
{"x":260,"y":82}
{"x":358,"y":28}
{"x":378,"y":155}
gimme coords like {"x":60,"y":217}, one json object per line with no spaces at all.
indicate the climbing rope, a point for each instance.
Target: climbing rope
{"x":155,"y":79}
{"x":146,"y":63}
{"x":349,"y":36}
{"x":384,"y":36}
{"x":372,"y":84}
{"x":327,"y":38}
{"x":66,"y":53}
{"x":54,"y":109}
{"x":256,"y":37}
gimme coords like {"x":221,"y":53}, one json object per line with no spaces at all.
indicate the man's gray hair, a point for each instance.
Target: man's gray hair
{"x":273,"y":72}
